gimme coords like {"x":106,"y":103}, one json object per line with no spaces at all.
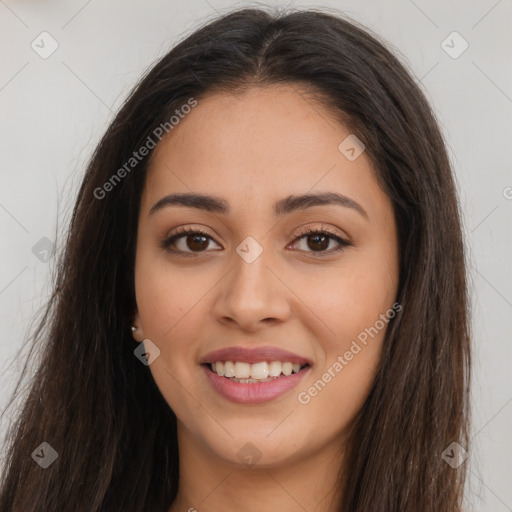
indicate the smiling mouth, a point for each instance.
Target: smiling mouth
{"x":247,"y":373}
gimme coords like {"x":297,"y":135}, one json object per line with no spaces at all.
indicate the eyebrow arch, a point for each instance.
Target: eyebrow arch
{"x":282,"y":207}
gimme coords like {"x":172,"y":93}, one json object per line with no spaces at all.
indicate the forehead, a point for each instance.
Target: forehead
{"x":259,"y":145}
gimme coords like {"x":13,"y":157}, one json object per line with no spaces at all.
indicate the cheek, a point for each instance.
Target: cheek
{"x":353,"y":297}
{"x":168,"y":303}
{"x":350,"y":304}
{"x":165,"y":294}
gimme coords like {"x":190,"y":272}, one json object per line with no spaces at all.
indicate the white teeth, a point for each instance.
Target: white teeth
{"x":274,"y":368}
{"x":287,"y":368}
{"x":219,"y":368}
{"x":259,"y":371}
{"x":242,"y":370}
{"x":246,"y":372}
{"x":229,"y":368}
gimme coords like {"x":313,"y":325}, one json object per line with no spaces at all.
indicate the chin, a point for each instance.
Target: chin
{"x":257,"y":449}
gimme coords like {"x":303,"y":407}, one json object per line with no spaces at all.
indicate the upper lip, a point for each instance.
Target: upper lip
{"x":253,"y":355}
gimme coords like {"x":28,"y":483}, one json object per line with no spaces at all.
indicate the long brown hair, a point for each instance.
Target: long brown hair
{"x":98,"y":407}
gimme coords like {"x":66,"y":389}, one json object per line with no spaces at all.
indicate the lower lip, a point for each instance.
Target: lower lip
{"x":255,"y":393}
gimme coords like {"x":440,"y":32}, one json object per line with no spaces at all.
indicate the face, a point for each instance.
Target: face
{"x":248,"y":277}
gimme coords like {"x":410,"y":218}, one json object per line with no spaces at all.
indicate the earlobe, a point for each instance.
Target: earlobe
{"x":137,"y":333}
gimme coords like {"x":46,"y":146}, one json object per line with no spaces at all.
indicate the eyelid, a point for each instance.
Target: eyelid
{"x":322,"y":229}
{"x":342,"y":241}
{"x":181,"y":232}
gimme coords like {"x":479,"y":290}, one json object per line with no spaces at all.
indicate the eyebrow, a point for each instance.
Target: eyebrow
{"x":282,"y":207}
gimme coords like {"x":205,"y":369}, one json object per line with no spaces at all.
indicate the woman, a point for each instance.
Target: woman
{"x":262,"y":298}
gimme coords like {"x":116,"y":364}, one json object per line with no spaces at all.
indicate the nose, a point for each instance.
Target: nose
{"x":252,"y":295}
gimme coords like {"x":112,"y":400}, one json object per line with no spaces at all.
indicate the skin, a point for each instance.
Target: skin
{"x":253,"y":149}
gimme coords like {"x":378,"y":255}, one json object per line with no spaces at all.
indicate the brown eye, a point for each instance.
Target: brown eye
{"x":318,"y":240}
{"x":196,"y":242}
{"x":192,"y":241}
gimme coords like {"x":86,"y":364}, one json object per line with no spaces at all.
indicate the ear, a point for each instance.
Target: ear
{"x":136,"y":328}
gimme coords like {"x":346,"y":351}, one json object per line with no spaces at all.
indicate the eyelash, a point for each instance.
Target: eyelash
{"x":184,"y":232}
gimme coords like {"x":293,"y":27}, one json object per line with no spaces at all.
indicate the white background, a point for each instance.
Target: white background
{"x":54,"y":110}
